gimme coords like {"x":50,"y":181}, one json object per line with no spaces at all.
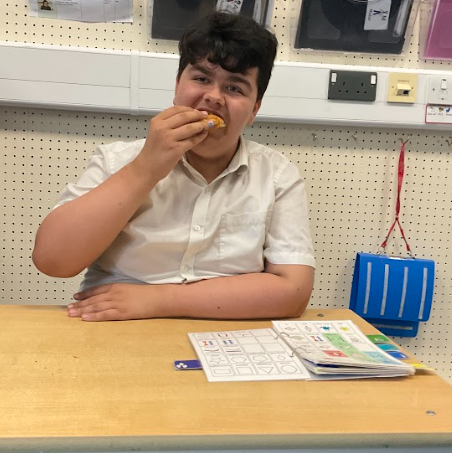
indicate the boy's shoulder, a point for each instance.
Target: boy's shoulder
{"x":263,"y":152}
{"x":265,"y":160}
{"x":126,"y":148}
{"x":118,"y":154}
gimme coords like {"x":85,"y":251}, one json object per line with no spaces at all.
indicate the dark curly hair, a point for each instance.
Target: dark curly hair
{"x":236,"y":43}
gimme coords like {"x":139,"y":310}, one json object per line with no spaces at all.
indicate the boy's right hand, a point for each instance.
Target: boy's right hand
{"x":171,"y":134}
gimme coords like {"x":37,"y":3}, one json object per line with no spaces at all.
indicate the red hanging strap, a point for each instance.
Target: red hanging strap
{"x":401,"y":170}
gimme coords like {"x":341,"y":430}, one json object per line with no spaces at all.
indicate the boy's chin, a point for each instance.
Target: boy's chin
{"x":213,"y":137}
{"x":207,"y":147}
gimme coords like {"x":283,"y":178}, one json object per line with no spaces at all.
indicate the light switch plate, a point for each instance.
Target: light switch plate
{"x":440,"y":90}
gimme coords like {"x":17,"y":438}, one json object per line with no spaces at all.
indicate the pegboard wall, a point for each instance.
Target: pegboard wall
{"x":350,"y":173}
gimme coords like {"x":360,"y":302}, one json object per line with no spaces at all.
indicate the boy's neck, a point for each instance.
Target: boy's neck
{"x":210,"y":168}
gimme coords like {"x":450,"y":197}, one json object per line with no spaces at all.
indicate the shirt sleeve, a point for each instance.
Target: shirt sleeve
{"x":288,"y":240}
{"x":95,"y":173}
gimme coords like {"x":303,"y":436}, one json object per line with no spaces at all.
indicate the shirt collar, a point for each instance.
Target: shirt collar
{"x":239,"y":162}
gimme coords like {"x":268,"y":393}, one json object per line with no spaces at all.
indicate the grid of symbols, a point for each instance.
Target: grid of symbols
{"x":254,"y":353}
{"x":336,"y":342}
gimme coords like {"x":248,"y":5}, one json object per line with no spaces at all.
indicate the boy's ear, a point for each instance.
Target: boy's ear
{"x":256,"y":108}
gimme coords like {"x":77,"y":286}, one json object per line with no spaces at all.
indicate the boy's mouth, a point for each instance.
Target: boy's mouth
{"x":212,"y":112}
{"x":215,"y":122}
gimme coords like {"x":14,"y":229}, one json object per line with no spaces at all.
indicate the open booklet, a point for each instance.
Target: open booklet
{"x":294,"y":350}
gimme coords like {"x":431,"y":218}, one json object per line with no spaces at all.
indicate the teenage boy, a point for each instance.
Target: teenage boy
{"x":190,"y":222}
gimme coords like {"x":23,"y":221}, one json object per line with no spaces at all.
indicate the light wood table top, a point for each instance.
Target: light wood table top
{"x":70,"y":385}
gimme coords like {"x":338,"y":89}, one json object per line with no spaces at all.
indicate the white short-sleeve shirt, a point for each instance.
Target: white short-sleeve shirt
{"x":188,"y":230}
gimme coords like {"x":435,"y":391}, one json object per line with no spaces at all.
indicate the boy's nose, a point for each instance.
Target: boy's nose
{"x":213,"y":94}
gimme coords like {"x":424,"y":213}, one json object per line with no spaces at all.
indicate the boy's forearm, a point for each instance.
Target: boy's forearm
{"x":249,"y":296}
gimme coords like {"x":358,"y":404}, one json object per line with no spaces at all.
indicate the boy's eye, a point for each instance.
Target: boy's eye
{"x":200,"y":79}
{"x":235,"y":89}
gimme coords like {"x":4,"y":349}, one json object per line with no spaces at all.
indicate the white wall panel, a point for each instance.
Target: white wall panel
{"x":64,"y":96}
{"x":142,"y":82}
{"x":71,"y":66}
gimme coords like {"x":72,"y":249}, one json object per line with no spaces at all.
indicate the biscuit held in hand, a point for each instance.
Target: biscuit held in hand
{"x":215,"y":122}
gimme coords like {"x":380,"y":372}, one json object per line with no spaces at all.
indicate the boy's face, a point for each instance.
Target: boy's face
{"x":230,"y":95}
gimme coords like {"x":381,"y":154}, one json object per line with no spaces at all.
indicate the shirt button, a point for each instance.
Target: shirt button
{"x":197,"y":227}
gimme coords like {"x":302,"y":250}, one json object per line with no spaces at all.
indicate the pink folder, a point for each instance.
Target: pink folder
{"x":438,"y":44}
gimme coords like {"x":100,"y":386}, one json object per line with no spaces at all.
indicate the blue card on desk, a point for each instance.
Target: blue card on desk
{"x":186,"y":365}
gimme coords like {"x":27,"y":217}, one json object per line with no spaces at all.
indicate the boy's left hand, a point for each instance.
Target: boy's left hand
{"x":114,"y":302}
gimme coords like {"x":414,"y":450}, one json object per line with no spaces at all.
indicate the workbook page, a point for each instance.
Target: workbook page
{"x":335,"y":343}
{"x":246,"y":355}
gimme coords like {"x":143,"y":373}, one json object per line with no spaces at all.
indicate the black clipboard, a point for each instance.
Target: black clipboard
{"x":349,"y":25}
{"x":171,"y":17}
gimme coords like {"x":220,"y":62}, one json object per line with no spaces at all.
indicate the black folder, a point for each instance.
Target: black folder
{"x":171,"y":17}
{"x":349,"y":25}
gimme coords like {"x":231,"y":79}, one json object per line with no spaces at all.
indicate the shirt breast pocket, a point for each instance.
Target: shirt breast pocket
{"x":242,"y":239}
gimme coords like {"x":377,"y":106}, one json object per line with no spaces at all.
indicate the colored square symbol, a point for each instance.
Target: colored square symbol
{"x":388,"y":347}
{"x":335,"y":353}
{"x":397,"y":354}
{"x":378,"y":338}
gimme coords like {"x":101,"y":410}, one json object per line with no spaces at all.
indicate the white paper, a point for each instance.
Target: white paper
{"x":231,"y":6}
{"x":438,"y":114}
{"x":83,"y":10}
{"x":246,"y":355}
{"x":377,"y":15}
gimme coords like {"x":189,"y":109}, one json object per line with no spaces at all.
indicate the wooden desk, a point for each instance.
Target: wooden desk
{"x":67,"y":385}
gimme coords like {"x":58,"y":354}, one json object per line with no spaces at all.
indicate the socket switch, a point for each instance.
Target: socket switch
{"x":352,"y":86}
{"x":440,"y":90}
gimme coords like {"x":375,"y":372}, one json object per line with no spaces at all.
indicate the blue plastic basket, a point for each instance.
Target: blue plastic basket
{"x":394,"y":294}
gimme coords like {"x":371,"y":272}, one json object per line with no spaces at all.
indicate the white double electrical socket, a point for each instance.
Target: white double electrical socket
{"x":440,"y":90}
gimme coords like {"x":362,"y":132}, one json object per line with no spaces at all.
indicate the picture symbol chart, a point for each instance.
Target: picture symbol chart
{"x":246,"y":355}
